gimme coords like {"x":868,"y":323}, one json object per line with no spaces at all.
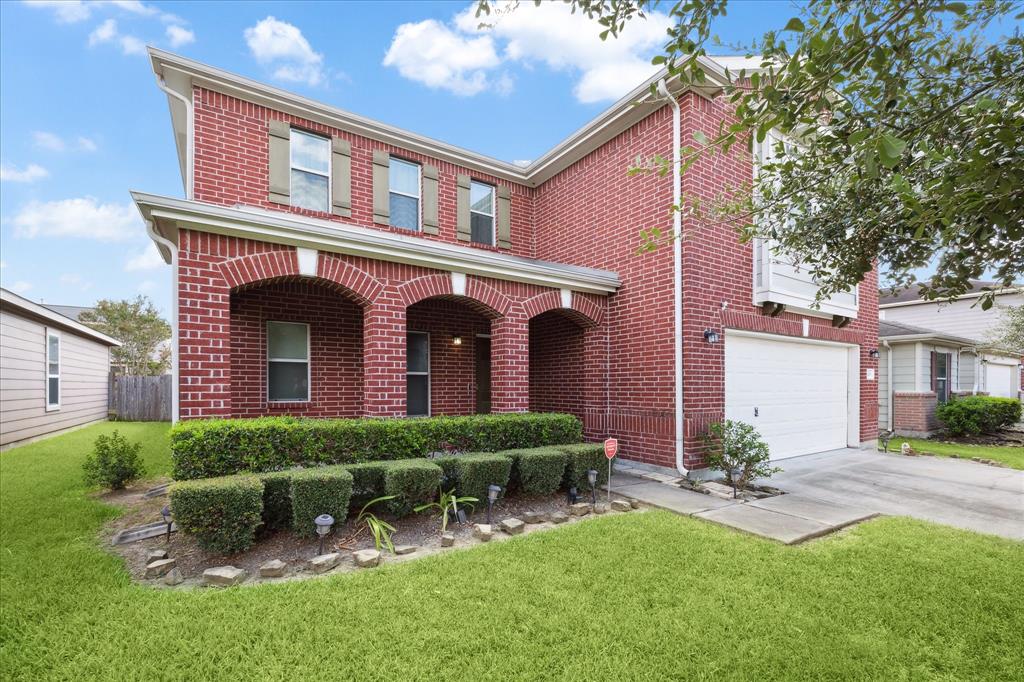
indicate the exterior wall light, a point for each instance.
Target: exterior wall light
{"x":492,"y":496}
{"x":456,"y":340}
{"x":711,"y":336}
{"x":166,"y":514}
{"x":873,"y":353}
{"x":323,"y":528}
{"x":592,"y":480}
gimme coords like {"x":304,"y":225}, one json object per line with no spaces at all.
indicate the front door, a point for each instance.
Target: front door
{"x":483,"y":375}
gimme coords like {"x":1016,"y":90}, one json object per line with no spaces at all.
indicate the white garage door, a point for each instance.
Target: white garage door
{"x":999,"y":380}
{"x":794,"y":393}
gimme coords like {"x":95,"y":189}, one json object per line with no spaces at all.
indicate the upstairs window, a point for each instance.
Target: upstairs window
{"x":287,"y":362}
{"x":52,"y":370}
{"x":310,"y":171}
{"x":481,"y":213}
{"x":404,"y":194}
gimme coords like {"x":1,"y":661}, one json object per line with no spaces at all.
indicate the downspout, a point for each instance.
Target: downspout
{"x":888,"y":384}
{"x":174,"y":314}
{"x":189,"y":143}
{"x":677,"y":274}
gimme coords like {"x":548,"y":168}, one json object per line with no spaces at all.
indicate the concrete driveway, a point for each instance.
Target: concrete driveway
{"x":956,"y":492}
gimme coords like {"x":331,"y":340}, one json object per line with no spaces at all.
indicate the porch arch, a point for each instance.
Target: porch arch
{"x":281,"y":264}
{"x":480,"y":296}
{"x":583,"y":311}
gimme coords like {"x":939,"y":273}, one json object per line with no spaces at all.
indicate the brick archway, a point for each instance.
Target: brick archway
{"x":583,"y":312}
{"x":283,"y":264}
{"x":480,"y":296}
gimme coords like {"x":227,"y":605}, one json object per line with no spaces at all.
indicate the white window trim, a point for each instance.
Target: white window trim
{"x":292,"y":166}
{"x":308,"y":361}
{"x":493,"y":214}
{"x":418,"y":374}
{"x":418,"y":197}
{"x":46,"y":368}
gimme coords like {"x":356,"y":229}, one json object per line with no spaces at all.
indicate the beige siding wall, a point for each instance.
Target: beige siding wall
{"x":883,"y":388}
{"x":85,"y":366}
{"x":903,"y":378}
{"x":959,"y":318}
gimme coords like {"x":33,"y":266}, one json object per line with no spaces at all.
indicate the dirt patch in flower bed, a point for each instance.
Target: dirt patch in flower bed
{"x":1006,"y":437}
{"x":723,"y":490}
{"x":419,"y":530}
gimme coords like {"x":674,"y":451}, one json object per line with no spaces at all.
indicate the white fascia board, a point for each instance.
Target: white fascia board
{"x":935,"y":338}
{"x":9,"y":298}
{"x":324,"y":235}
{"x":940,"y":301}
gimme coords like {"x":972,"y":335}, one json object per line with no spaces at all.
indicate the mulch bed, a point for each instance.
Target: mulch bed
{"x":1008,"y":437}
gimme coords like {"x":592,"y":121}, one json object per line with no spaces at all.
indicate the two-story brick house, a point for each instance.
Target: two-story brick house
{"x":330,"y":265}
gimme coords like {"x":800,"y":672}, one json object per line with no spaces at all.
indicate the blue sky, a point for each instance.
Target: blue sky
{"x":82,"y":121}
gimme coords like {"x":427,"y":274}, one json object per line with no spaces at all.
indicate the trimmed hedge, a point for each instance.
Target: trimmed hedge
{"x":316,"y":491}
{"x":472,"y":473}
{"x":367,"y":482}
{"x":219,"y":447}
{"x":538,"y":471}
{"x":277,"y":499}
{"x":412,"y":481}
{"x":221,"y":513}
{"x":976,"y":414}
{"x":581,"y":457}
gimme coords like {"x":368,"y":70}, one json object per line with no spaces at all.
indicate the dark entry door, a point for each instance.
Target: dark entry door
{"x":483,"y":375}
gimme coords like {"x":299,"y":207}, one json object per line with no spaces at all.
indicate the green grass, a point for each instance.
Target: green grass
{"x":1008,"y":455}
{"x":632,"y":596}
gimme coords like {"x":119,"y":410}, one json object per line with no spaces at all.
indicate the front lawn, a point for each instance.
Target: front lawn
{"x":649,"y":595}
{"x":1007,"y":454}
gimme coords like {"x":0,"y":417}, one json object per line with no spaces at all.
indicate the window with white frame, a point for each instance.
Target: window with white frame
{"x":417,"y":394}
{"x":404,"y":194}
{"x":52,"y":370}
{"x":481,"y":213}
{"x":310,"y":171}
{"x":287,"y":362}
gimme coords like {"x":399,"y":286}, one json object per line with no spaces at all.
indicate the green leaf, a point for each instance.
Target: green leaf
{"x":858,"y":136}
{"x":890,"y":149}
{"x":700,"y":137}
{"x":956,"y":7}
{"x":794,"y":25}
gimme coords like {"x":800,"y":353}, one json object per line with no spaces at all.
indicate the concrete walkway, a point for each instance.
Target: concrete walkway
{"x":788,"y":518}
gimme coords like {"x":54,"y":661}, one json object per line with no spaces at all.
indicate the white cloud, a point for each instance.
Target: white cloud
{"x":86,"y":144}
{"x":107,"y":33}
{"x":70,"y":279}
{"x":19,"y":287}
{"x":55,"y":143}
{"x":179,"y":36}
{"x":150,"y":259}
{"x":146,"y":286}
{"x":3,"y":264}
{"x":282,"y":47}
{"x":462,"y":56}
{"x":431,"y":53}
{"x":31,"y":173}
{"x":103,"y":33}
{"x":65,"y":11}
{"x":142,"y":9}
{"x":81,"y":217}
{"x":132,"y":45}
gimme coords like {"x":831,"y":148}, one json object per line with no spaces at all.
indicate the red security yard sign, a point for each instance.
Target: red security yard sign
{"x":611,"y":447}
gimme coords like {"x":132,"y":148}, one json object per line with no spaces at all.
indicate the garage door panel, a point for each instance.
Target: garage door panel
{"x":793,"y":393}
{"x":999,"y":380}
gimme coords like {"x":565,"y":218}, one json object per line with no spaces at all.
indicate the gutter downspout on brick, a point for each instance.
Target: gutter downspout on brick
{"x":677,"y":275}
{"x":151,"y":230}
{"x":890,"y":419}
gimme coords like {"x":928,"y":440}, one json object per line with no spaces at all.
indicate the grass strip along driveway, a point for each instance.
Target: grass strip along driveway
{"x":634,"y":596}
{"x":1009,"y":455}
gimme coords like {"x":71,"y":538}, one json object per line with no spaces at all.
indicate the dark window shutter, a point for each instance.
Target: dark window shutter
{"x":462,"y":224}
{"x":341,"y":177}
{"x":934,"y":383}
{"x":381,"y":187}
{"x":504,"y":232}
{"x":280,"y":162}
{"x":430,"y":210}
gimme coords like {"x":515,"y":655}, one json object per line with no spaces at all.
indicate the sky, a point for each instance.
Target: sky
{"x":82,"y":121}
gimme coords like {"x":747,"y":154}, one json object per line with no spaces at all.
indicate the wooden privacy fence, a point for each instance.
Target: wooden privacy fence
{"x":140,"y":399}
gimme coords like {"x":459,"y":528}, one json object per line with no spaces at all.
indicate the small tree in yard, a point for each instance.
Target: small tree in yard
{"x":140,"y":329}
{"x":114,"y":463}
{"x":736,"y":449}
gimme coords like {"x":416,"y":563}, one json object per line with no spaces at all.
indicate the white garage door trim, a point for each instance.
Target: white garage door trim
{"x":743,"y":382}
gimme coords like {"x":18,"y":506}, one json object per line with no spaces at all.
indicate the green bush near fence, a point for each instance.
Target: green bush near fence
{"x":205,"y":448}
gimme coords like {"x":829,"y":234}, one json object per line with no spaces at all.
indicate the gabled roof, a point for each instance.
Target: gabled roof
{"x":23,"y":306}
{"x":72,"y":311}
{"x":912,"y":294}
{"x":898,"y":331}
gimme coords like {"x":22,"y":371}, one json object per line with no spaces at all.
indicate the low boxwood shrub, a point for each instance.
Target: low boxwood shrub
{"x":218,"y":447}
{"x":114,"y":462}
{"x":316,"y":491}
{"x":581,"y":457}
{"x":412,"y":481}
{"x":277,"y":499}
{"x":977,"y":414}
{"x":471,"y":474}
{"x":367,"y":482}
{"x":538,"y":471}
{"x":221,"y":513}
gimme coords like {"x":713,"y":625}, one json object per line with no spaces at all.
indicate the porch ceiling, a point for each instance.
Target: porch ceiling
{"x":169,"y":215}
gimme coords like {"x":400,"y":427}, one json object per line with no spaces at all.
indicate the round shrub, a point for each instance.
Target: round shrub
{"x":221,"y":513}
{"x":114,"y":462}
{"x":977,"y":414}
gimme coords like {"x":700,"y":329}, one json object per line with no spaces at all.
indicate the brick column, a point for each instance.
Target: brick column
{"x":204,"y":339}
{"x":510,"y":362}
{"x":384,"y":356}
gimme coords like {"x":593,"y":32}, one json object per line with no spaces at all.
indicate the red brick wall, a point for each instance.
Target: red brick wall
{"x":557,"y":365}
{"x":231,"y":167}
{"x":914,"y":413}
{"x":336,"y":349}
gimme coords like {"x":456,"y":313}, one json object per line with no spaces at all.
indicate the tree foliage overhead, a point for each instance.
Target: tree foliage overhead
{"x":140,"y":329}
{"x":907,"y":127}
{"x":1009,"y":333}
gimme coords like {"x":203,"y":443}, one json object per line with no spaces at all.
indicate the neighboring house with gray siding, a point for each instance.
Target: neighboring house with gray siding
{"x":963,"y":317}
{"x":54,"y":371}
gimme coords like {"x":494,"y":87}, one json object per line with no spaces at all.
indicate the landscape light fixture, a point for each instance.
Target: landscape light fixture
{"x":456,"y":340}
{"x":323,"y":527}
{"x":592,"y":480}
{"x":711,"y":336}
{"x":166,"y":514}
{"x":492,"y":496}
{"x":572,"y":495}
{"x":873,"y":353}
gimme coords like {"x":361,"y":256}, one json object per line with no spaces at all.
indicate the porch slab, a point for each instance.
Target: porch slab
{"x":767,"y":523}
{"x":665,"y":496}
{"x":828,"y":513}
